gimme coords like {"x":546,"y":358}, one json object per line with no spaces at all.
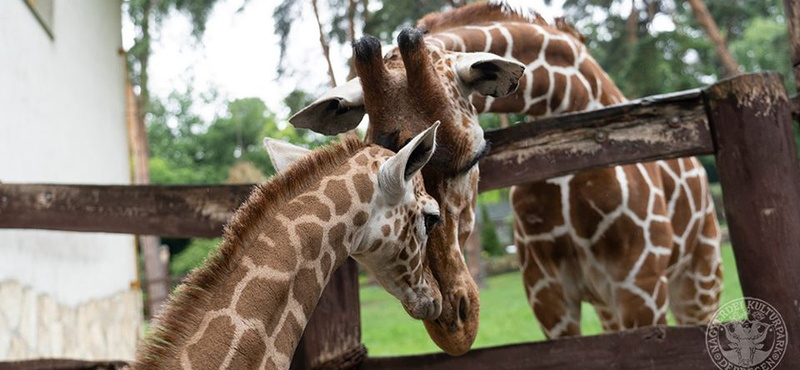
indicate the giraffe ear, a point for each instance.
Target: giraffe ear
{"x":489,"y":74}
{"x":340,"y":109}
{"x":283,"y":154}
{"x":396,"y":172}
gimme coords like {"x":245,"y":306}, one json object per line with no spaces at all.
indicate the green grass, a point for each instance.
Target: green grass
{"x":505,"y":315}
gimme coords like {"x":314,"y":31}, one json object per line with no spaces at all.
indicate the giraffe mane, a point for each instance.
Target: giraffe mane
{"x":183,"y":312}
{"x":492,"y":11}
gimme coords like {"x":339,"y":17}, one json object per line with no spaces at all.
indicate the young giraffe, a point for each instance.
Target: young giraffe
{"x":632,"y":240}
{"x":246,"y":308}
{"x":411,"y":85}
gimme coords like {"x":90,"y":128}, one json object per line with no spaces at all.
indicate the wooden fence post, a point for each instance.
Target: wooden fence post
{"x":332,"y":338}
{"x":757,"y":159}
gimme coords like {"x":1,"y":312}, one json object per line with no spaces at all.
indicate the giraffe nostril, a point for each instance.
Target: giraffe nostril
{"x":463,"y":308}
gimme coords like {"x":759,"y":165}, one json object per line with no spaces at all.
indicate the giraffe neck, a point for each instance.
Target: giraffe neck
{"x":249,"y":303}
{"x":257,"y":319}
{"x":560,"y":76}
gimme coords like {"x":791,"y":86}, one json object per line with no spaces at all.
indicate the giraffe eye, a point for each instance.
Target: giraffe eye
{"x":431,"y":220}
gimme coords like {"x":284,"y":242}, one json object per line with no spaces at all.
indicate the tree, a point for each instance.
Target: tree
{"x":706,"y":21}
{"x":489,"y":239}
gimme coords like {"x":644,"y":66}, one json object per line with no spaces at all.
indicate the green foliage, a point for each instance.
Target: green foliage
{"x":489,"y":239}
{"x":185,"y":149}
{"x":193,"y":256}
{"x":764,"y":46}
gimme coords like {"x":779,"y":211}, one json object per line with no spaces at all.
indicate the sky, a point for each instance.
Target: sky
{"x":238,"y":54}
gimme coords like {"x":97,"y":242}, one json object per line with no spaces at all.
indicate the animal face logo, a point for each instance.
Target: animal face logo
{"x":759,"y":341}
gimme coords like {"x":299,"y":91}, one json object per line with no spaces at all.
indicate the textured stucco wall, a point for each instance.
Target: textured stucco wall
{"x":62,"y":120}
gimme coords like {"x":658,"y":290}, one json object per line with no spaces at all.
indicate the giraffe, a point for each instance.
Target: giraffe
{"x":247,"y":306}
{"x":412,"y":85}
{"x":632,"y":240}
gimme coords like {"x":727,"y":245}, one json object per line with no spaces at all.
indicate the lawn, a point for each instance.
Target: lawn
{"x":505,"y":316}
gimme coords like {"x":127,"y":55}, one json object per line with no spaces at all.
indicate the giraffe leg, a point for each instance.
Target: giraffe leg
{"x":555,"y":304}
{"x":695,"y":291}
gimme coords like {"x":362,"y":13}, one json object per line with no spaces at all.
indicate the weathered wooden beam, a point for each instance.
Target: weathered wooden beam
{"x":664,"y":126}
{"x":759,"y":172}
{"x":656,"y":348}
{"x":178,"y":211}
{"x":62,"y":364}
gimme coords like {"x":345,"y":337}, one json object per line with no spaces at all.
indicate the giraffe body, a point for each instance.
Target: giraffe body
{"x":246,"y":308}
{"x":632,"y":240}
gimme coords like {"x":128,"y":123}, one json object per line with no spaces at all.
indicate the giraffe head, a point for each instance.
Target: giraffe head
{"x":392,"y":244}
{"x":413,"y":84}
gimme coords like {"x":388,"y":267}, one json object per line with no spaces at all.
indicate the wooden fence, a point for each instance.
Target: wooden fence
{"x":744,"y":121}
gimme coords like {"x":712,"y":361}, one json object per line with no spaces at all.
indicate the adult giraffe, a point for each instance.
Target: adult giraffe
{"x":632,"y":240}
{"x":629,"y":239}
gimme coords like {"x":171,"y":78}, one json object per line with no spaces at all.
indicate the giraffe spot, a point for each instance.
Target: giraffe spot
{"x":414,"y":261}
{"x":336,"y":241}
{"x":682,"y":213}
{"x":588,"y":70}
{"x":499,"y":42}
{"x":639,"y":192}
{"x":249,"y":352}
{"x":361,"y":159}
{"x":541,"y":82}
{"x":559,"y":54}
{"x":261,"y":297}
{"x":478,"y":102}
{"x":403,"y":254}
{"x":538,"y":109}
{"x":397,"y":225}
{"x":527,"y":42}
{"x":336,"y":191}
{"x":341,"y":170}
{"x":311,"y":239}
{"x":537,"y":201}
{"x":289,"y":335}
{"x":360,"y":218}
{"x":224,"y":296}
{"x":305,"y":205}
{"x":386,"y":229}
{"x":449,"y":75}
{"x":374,"y":166}
{"x":375,"y":245}
{"x":307,"y":290}
{"x":273,"y":249}
{"x":364,"y":187}
{"x":580,"y":95}
{"x":559,"y":90}
{"x":213,"y":346}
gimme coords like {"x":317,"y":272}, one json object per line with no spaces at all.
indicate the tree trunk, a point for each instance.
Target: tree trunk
{"x":632,"y":26}
{"x":703,"y":17}
{"x":324,"y":44}
{"x":351,"y":23}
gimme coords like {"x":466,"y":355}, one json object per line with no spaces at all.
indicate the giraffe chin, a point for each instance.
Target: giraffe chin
{"x":456,"y":328}
{"x":424,"y":307}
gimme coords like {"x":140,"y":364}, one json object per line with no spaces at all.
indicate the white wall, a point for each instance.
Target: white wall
{"x":62,"y":120}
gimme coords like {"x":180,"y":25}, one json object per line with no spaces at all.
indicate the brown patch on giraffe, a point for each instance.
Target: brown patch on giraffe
{"x":386,"y":229}
{"x":580,"y":96}
{"x":639,"y":193}
{"x":336,"y":241}
{"x":307,"y":290}
{"x":325,"y":264}
{"x":341,"y":170}
{"x":310,"y":239}
{"x":478,"y":101}
{"x":586,"y":68}
{"x":527,"y":42}
{"x":535,"y":207}
{"x":362,"y":159}
{"x":336,"y":191}
{"x":682,"y":215}
{"x":364,"y":187}
{"x":538,"y":109}
{"x":289,"y":335}
{"x":360,"y":218}
{"x":375,"y":245}
{"x":499,"y":42}
{"x":559,"y":90}
{"x":250,"y":351}
{"x":210,"y":350}
{"x":620,"y":247}
{"x":223,"y":300}
{"x":260,"y":298}
{"x":304,"y":205}
{"x":559,"y":54}
{"x":273,"y":248}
